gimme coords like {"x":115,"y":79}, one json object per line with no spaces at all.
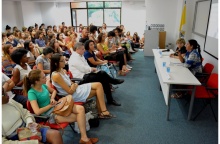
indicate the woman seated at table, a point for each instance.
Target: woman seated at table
{"x":193,"y":58}
{"x":20,"y":117}
{"x":43,"y":103}
{"x":180,"y":47}
{"x":192,"y":61}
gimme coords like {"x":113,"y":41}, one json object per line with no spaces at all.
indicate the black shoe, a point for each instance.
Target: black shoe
{"x":114,"y":103}
{"x":118,"y":81}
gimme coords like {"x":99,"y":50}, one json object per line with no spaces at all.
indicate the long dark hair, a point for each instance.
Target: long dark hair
{"x":99,"y":39}
{"x":26,"y":45}
{"x":52,"y":45}
{"x":54,"y":63}
{"x":86,"y":44}
{"x":30,"y":79}
{"x":195,"y":45}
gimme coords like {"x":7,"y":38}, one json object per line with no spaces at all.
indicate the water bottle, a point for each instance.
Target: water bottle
{"x":114,"y":73}
{"x":160,"y":52}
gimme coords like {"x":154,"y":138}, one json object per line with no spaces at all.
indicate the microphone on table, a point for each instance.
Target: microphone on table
{"x":167,"y":50}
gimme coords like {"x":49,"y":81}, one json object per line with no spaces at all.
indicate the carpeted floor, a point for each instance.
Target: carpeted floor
{"x":142,"y":117}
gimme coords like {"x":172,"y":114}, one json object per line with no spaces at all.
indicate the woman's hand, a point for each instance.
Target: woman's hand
{"x":105,"y":62}
{"x":74,"y":86}
{"x":171,"y":55}
{"x":53,"y":101}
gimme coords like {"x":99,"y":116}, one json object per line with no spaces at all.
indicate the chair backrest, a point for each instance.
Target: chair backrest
{"x":213,"y":81}
{"x":29,"y":107}
{"x":208,"y":68}
{"x":69,"y":74}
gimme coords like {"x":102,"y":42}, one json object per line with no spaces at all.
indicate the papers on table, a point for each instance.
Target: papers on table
{"x":168,"y":76}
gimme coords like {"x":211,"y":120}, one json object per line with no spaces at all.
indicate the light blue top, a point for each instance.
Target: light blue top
{"x":80,"y":95}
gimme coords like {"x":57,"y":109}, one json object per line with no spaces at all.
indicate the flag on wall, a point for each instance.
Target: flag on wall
{"x":183,"y":22}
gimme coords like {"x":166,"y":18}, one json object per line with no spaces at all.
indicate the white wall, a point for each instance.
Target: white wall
{"x":169,"y":12}
{"x":63,"y":13}
{"x":165,"y":12}
{"x":31,"y":13}
{"x":133,"y":17}
{"x":8,"y":14}
{"x":200,"y":40}
{"x":48,"y":13}
{"x":28,"y":13}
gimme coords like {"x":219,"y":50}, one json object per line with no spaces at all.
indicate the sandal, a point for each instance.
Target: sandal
{"x":103,"y":116}
{"x":177,"y":95}
{"x":121,"y":73}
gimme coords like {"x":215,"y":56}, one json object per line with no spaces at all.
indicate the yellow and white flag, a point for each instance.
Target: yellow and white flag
{"x":183,"y":22}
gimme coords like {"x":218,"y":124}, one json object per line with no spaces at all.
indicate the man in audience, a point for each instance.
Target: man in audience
{"x":85,"y":36}
{"x":80,"y":69}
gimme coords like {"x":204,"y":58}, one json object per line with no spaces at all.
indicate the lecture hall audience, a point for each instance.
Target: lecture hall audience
{"x":33,"y":48}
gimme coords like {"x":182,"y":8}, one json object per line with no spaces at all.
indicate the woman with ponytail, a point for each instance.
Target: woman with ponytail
{"x":193,"y":58}
{"x":192,"y":61}
{"x":42,"y":102}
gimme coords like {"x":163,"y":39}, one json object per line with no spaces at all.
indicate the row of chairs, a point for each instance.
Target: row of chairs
{"x":43,"y":120}
{"x":209,"y":88}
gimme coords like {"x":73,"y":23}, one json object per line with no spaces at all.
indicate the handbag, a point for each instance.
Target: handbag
{"x":104,"y":67}
{"x":64,"y":106}
{"x":26,"y":134}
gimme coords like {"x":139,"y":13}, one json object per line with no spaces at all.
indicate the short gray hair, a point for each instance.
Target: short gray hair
{"x":78,"y":45}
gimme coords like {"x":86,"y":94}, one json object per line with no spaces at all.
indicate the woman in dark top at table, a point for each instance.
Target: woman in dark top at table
{"x":180,"y":47}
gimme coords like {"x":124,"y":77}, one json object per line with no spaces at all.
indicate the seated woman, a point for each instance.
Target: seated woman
{"x":142,"y":41}
{"x":32,"y":54}
{"x":113,"y":40}
{"x":129,"y":39}
{"x":117,"y":41}
{"x":62,"y":44}
{"x":92,"y":35}
{"x":55,"y":46}
{"x":43,"y":103}
{"x":39,"y":39}
{"x":4,"y":38}
{"x":192,"y":61}
{"x":8,"y":85}
{"x":22,"y":118}
{"x":72,"y":42}
{"x":80,"y":93}
{"x":110,"y":54}
{"x":90,"y":56}
{"x":193,"y":57}
{"x":43,"y":61}
{"x":180,"y":47}
{"x":19,"y":56}
{"x":7,"y":63}
{"x":136,"y":40}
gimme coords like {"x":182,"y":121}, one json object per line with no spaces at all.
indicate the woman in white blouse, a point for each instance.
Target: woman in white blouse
{"x":19,"y":56}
